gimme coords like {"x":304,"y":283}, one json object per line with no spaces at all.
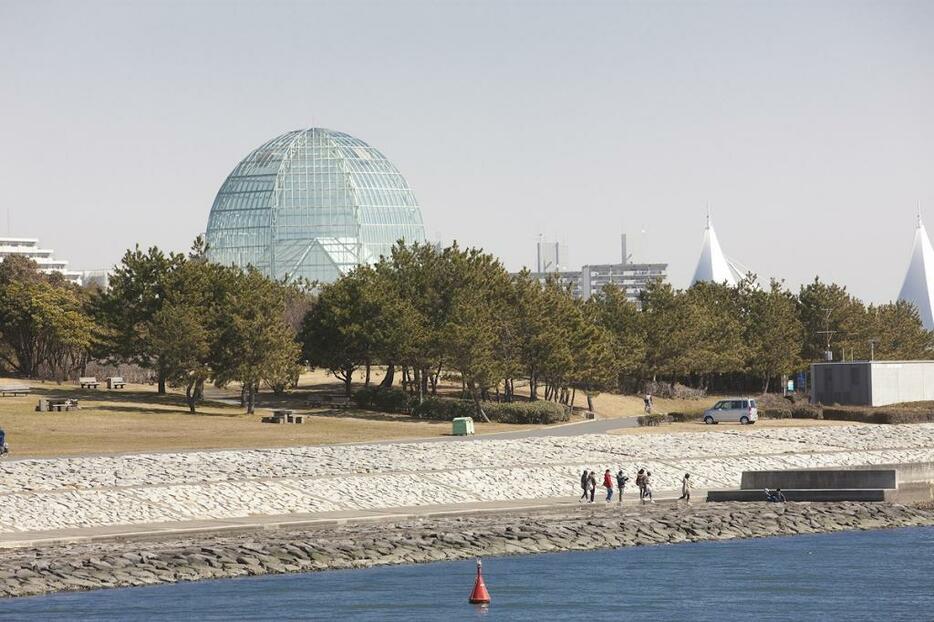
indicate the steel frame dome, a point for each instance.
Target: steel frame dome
{"x":312,"y":203}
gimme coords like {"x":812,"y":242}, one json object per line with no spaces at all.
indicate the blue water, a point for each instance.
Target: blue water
{"x":880,"y":576}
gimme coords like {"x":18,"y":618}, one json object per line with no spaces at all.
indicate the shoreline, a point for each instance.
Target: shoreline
{"x":82,"y":566}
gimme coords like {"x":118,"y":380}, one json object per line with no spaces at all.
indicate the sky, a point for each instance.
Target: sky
{"x":807,"y":127}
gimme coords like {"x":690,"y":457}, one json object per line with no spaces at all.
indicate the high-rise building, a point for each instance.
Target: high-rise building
{"x":312,"y":204}
{"x":918,"y":286}
{"x":44,"y":257}
{"x":632,"y":278}
{"x":550,"y":256}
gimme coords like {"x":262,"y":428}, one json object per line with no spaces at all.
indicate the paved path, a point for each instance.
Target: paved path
{"x":304,"y":520}
{"x":599,"y":426}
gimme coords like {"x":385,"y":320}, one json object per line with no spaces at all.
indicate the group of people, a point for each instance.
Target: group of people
{"x":643,"y":483}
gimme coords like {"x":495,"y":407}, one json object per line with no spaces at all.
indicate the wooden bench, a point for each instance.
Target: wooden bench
{"x":14,"y":390}
{"x":115,"y":382}
{"x":57,"y":404}
{"x":88,"y":382}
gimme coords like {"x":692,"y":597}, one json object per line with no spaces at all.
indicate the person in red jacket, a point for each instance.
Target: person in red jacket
{"x":608,"y":484}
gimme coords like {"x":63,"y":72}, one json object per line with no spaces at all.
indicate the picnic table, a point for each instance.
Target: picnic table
{"x":284,"y":416}
{"x":115,"y":382}
{"x":88,"y":382}
{"x":58,"y":404}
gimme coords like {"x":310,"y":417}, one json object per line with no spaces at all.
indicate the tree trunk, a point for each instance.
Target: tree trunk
{"x":476,"y":402}
{"x":348,"y":380}
{"x":533,"y":387}
{"x":389,"y":377}
{"x":589,"y":401}
{"x":251,"y":398}
{"x":161,"y":389}
{"x":423,"y":382}
{"x":434,"y":380}
{"x":573,"y":396}
{"x":194,"y":393}
{"x":366,"y":381}
{"x":765,"y":385}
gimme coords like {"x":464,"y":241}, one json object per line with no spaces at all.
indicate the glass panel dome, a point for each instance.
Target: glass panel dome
{"x":312,"y":203}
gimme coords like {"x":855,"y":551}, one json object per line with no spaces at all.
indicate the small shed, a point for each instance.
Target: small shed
{"x":872,"y":383}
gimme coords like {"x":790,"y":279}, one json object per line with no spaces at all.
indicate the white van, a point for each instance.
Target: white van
{"x":736,"y":409}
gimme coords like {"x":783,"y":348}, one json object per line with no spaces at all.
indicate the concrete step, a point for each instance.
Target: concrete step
{"x":820,"y":479}
{"x":811,"y":494}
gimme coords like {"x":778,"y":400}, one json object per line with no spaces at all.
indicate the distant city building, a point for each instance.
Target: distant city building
{"x":96,"y":278}
{"x":312,"y":203}
{"x":632,"y":278}
{"x":551,"y":257}
{"x":570,"y":279}
{"x":29,"y":247}
{"x":713,"y":265}
{"x":918,"y":286}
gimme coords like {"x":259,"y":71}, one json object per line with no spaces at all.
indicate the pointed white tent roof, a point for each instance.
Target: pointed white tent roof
{"x":713,"y":265}
{"x":918,"y":287}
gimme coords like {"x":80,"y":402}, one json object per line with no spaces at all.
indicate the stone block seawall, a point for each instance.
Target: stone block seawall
{"x":88,"y":566}
{"x":80,"y":493}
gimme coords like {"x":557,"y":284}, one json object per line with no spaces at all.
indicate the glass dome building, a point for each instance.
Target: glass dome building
{"x":312,"y":203}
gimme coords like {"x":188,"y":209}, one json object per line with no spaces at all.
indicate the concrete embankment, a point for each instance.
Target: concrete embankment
{"x":86,"y":566}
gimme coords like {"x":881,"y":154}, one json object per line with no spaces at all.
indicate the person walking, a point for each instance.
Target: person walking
{"x":647,"y":487}
{"x":640,"y":484}
{"x":592,"y":484}
{"x":585,"y":482}
{"x":608,"y":484}
{"x":686,"y":488}
{"x":648,"y":403}
{"x":620,"y":485}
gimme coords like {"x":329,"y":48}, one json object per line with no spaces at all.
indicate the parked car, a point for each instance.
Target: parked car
{"x":737,"y":409}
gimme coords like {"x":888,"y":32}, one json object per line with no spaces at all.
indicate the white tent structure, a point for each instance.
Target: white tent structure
{"x":713,"y":265}
{"x":918,"y":287}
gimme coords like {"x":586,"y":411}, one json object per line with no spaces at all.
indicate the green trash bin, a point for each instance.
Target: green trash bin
{"x":463,"y":426}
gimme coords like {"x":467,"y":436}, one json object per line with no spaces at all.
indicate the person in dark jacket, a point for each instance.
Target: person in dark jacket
{"x":585,"y":484}
{"x":592,"y":483}
{"x":3,"y":447}
{"x":640,"y":483}
{"x":620,"y":485}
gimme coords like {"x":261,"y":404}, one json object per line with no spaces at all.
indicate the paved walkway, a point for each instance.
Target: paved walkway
{"x":305,"y":520}
{"x":598,"y":426}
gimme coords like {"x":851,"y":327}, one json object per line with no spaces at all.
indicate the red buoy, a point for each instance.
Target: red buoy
{"x":479,"y":595}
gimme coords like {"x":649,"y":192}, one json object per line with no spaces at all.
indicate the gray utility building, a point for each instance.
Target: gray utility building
{"x":872,"y":383}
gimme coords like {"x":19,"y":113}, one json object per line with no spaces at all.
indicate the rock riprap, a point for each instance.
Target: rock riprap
{"x":86,"y":566}
{"x":67,"y":493}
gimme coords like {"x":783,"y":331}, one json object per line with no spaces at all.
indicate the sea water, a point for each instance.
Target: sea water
{"x":881,"y":576}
